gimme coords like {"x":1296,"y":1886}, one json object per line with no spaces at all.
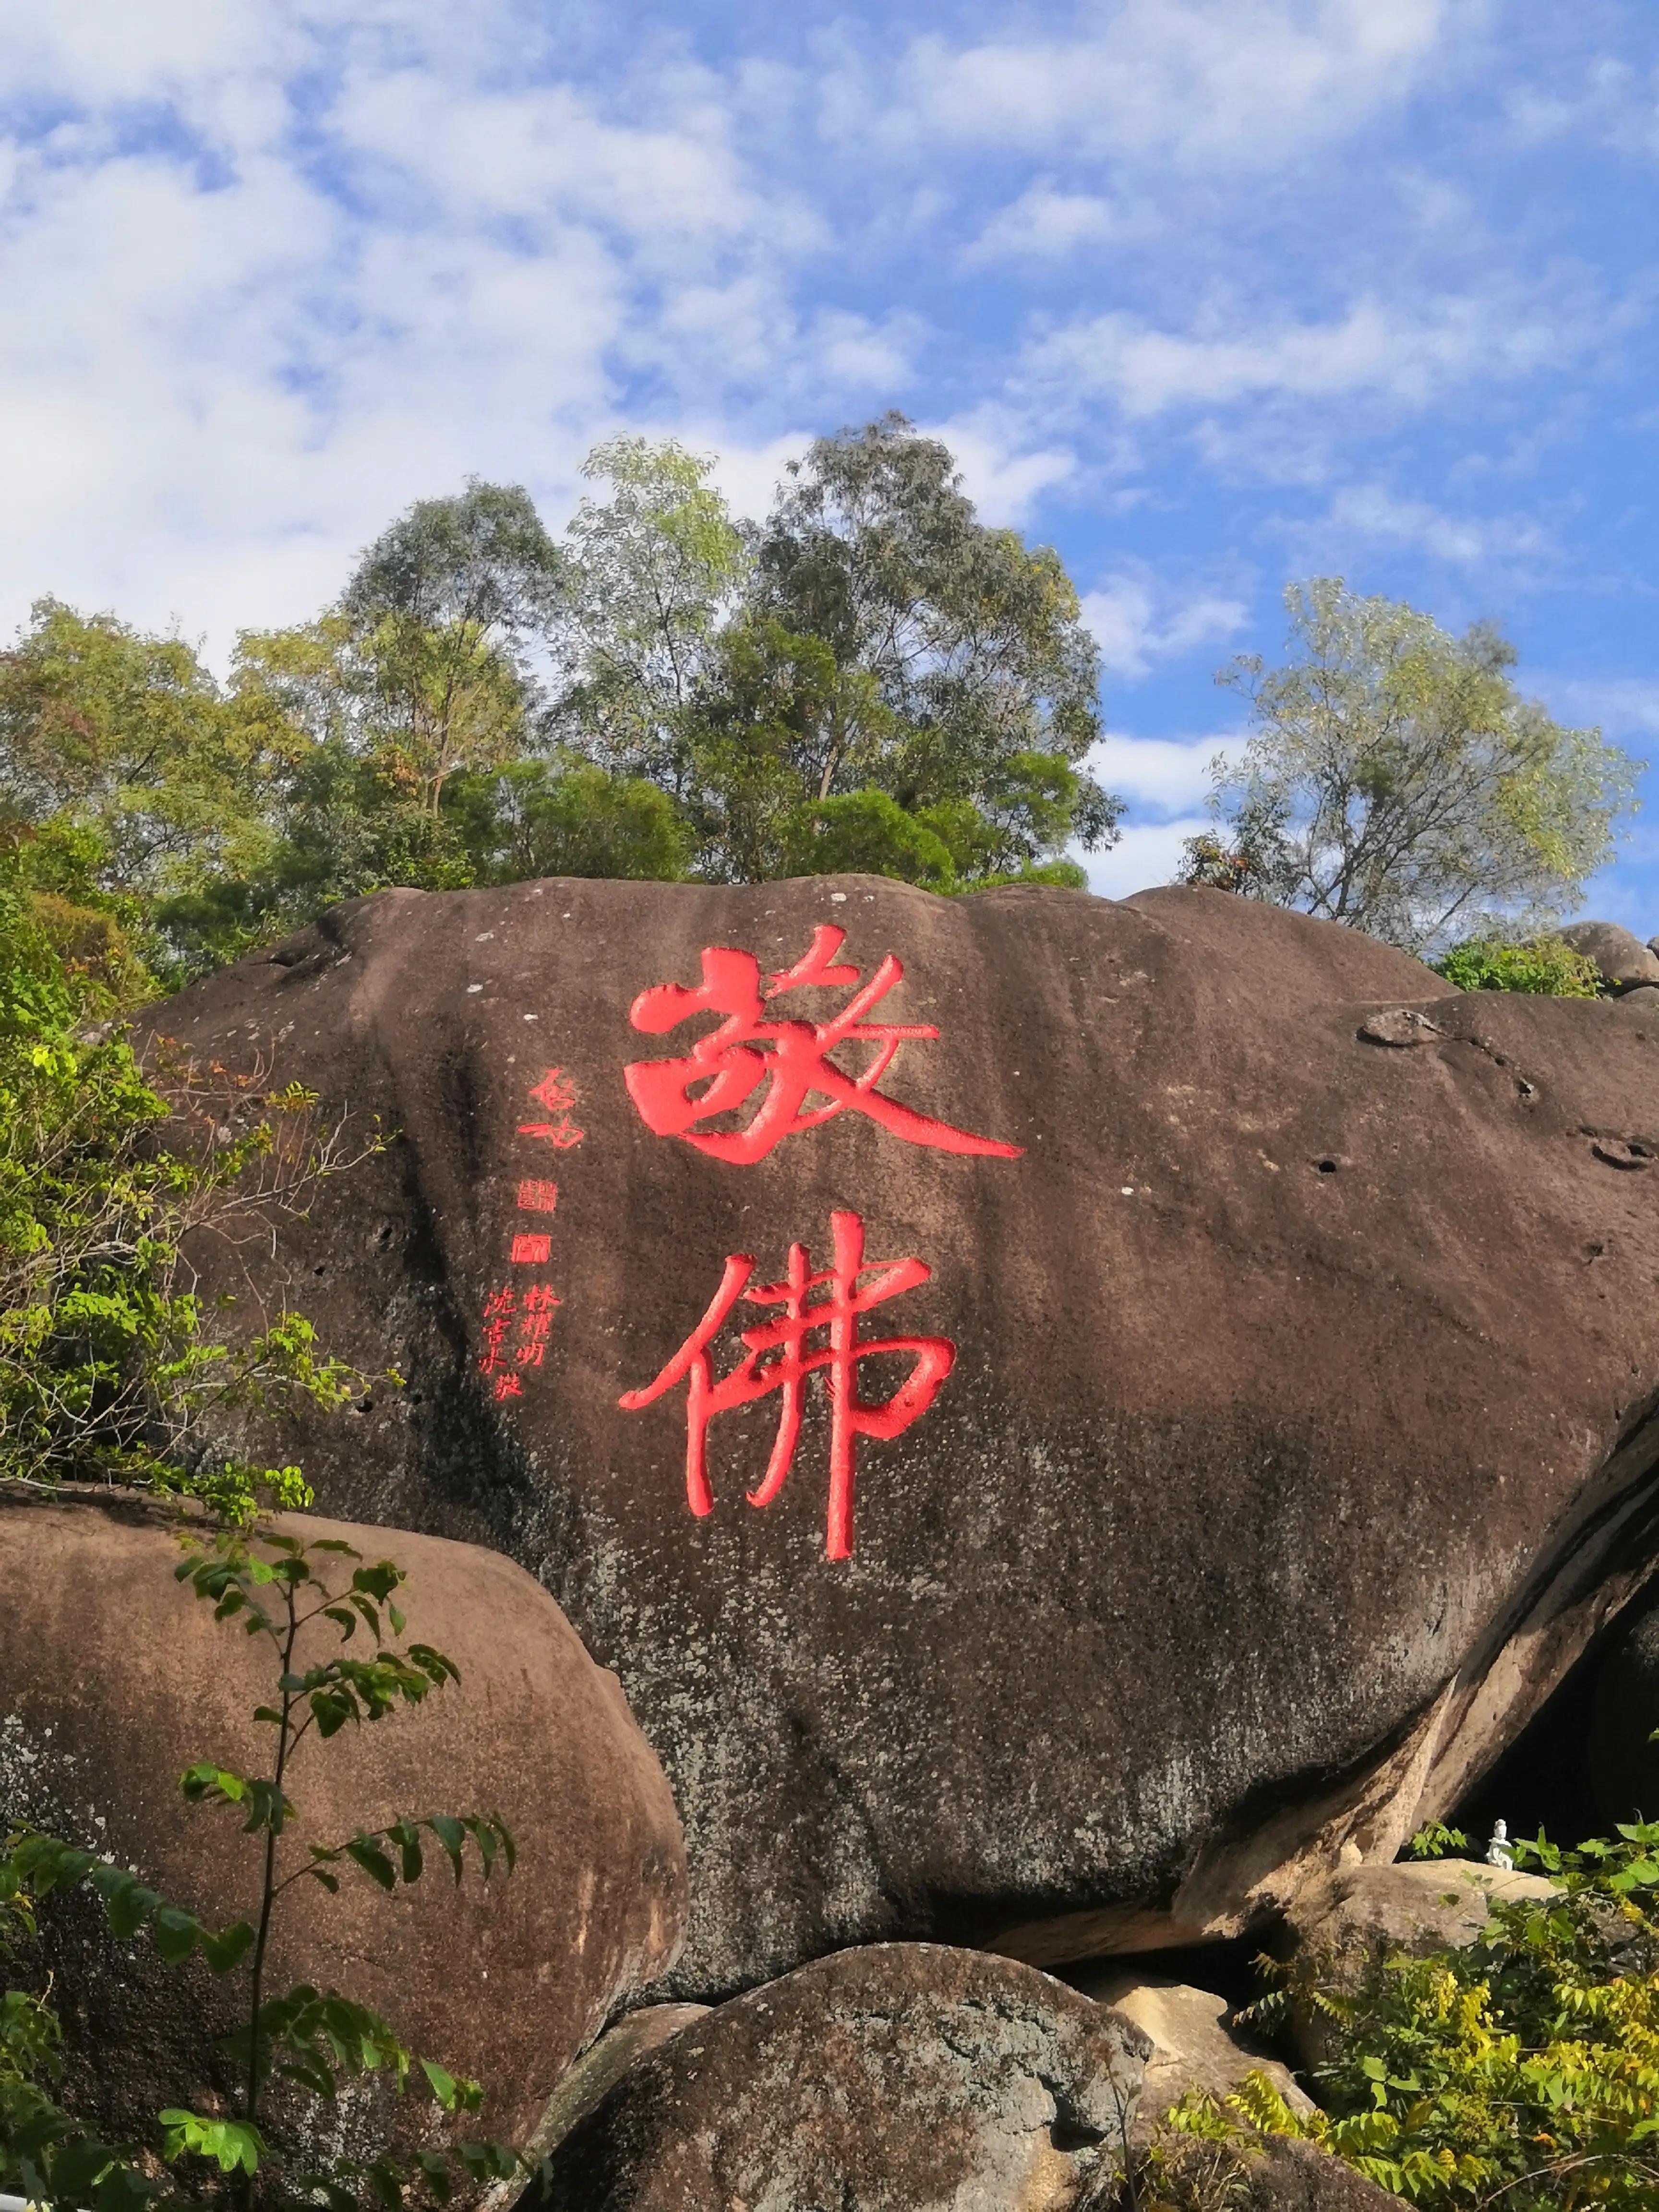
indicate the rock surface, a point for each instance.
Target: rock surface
{"x":903,"y":2077}
{"x":114,"y":1678}
{"x":1343,"y":1923}
{"x":1298,"y":1435}
{"x":594,"y":2075}
{"x":1194,"y":2045}
{"x":1623,"y":1757}
{"x":1623,"y":959}
{"x":1296,"y":2176}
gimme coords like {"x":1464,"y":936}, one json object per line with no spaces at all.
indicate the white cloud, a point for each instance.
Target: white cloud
{"x":1135,"y":625}
{"x":1001,"y":472}
{"x":1046,"y":224}
{"x":1170,"y":776}
{"x":1239,"y":84}
{"x":1410,"y":351}
{"x":1623,"y":705}
{"x":1148,"y":853}
{"x":1370,"y":513}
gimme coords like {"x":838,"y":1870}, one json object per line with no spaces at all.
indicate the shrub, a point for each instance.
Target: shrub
{"x":109,"y":1368}
{"x":1522,"y":2071}
{"x":1545,"y":965}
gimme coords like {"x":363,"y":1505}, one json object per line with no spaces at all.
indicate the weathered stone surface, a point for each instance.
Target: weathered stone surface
{"x":114,"y":1678}
{"x":1643,"y":999}
{"x":1195,"y":2044}
{"x":589,"y":2080}
{"x":1342,"y":1923}
{"x":903,"y":2077}
{"x":1622,"y":958}
{"x":1624,"y":1759}
{"x":1296,"y":2176}
{"x":1297,"y":1438}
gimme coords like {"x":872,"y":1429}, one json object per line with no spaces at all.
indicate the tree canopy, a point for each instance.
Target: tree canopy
{"x":1397,"y":781}
{"x":872,"y":678}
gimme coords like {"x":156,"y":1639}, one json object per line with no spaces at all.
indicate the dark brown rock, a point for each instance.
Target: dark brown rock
{"x":1624,"y":1758}
{"x":1623,"y":959}
{"x":1297,"y":2176}
{"x":888,"y":2079}
{"x":114,"y":1678}
{"x":591,"y":2080}
{"x":1297,"y":1440}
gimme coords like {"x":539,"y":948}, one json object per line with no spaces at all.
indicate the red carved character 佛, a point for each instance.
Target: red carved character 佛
{"x":779,"y":1357}
{"x":786,"y":1060}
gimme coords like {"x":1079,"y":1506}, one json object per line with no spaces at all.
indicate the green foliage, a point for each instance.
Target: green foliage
{"x":1398,"y":781}
{"x":667,"y":694}
{"x":1434,"y":1840}
{"x":1546,"y":965}
{"x":1521,"y":2070}
{"x":567,"y":817}
{"x":109,"y":1370}
{"x":310,"y":2040}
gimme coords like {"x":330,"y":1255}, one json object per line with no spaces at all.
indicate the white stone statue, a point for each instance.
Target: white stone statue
{"x":1498,"y":1853}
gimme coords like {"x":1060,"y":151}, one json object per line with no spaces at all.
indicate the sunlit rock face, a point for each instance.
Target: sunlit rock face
{"x":116,"y":1679}
{"x":1264,"y":1423}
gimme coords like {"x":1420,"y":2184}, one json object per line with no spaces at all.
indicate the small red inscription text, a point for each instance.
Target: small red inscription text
{"x":531,"y":1251}
{"x":779,"y":1359}
{"x":516,"y":1324}
{"x":557,"y":1093}
{"x":538,"y":1197}
{"x":787,"y":1060}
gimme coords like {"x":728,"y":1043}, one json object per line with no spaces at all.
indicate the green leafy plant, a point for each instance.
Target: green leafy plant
{"x":1545,"y":965}
{"x":110,"y":1370}
{"x":305,"y":2040}
{"x":1522,"y":2071}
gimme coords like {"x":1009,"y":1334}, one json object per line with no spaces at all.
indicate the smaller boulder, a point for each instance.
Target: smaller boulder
{"x":1194,"y":2042}
{"x":1643,"y":999}
{"x":1341,"y":1925}
{"x":876,"y":2080}
{"x":1624,"y":960}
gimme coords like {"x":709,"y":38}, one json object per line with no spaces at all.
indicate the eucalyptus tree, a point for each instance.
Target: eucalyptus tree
{"x":1397,"y":781}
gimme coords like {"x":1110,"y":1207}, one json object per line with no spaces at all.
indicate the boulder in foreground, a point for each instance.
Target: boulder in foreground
{"x":881,"y":2080}
{"x":114,"y":1678}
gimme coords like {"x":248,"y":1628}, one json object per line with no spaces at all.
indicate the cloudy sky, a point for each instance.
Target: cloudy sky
{"x":1210,"y":293}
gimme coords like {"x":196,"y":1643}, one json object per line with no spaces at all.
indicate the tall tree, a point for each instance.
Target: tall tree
{"x":1398,"y":781}
{"x":651,"y":573}
{"x":438,"y":619}
{"x":128,"y":738}
{"x":974,"y":640}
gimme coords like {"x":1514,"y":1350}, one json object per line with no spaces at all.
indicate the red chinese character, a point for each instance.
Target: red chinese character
{"x":499,"y":1308}
{"x":787,"y":1370}
{"x":531,"y":1251}
{"x":791,"y":1057}
{"x":538,"y":1197}
{"x":507,"y":1386}
{"x":535,"y":1323}
{"x":557,"y":1093}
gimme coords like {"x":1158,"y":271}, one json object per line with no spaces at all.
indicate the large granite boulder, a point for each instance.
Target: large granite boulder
{"x":114,"y":1678}
{"x":1268,"y":1423}
{"x":888,"y":2079}
{"x":1624,"y":960}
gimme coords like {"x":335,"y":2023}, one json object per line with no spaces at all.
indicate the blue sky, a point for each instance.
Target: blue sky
{"x":1209,"y":294}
